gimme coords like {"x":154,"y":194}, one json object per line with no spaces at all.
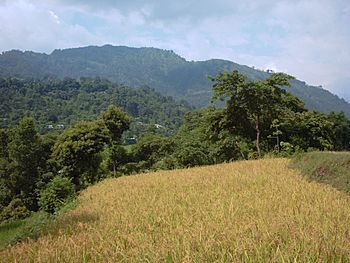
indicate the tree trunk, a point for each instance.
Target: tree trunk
{"x":257,"y":128}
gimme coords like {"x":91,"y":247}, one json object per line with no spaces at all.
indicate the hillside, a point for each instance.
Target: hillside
{"x":160,"y":69}
{"x":331,"y":168}
{"x":53,"y":103}
{"x":249,"y":211}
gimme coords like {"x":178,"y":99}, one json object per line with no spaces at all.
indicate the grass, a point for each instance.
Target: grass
{"x":30,"y":227}
{"x":331,"y":168}
{"x":249,"y":211}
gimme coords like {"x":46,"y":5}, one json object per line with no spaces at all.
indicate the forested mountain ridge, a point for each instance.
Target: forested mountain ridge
{"x":162,"y":70}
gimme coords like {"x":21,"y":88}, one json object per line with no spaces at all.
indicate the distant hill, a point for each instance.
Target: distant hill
{"x":160,"y":69}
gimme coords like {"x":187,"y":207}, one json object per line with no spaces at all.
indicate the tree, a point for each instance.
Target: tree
{"x":340,"y":131}
{"x":311,"y":129}
{"x":24,"y":152}
{"x":117,"y":122}
{"x":77,"y":149}
{"x":4,"y":141}
{"x":151,"y":148}
{"x":251,"y":104}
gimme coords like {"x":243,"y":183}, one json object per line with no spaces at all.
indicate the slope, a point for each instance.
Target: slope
{"x":160,"y":69}
{"x":249,"y":211}
{"x":53,"y":102}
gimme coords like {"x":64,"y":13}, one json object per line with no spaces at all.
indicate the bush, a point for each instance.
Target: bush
{"x":14,"y":211}
{"x":192,"y":154}
{"x":5,"y":195}
{"x":56,"y":194}
{"x":167,"y":163}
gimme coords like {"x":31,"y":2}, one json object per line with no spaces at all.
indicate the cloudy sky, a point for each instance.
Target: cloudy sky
{"x":309,"y":39}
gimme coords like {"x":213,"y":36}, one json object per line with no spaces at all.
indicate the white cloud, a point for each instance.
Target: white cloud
{"x":29,"y":27}
{"x":54,"y":17}
{"x":306,"y":38}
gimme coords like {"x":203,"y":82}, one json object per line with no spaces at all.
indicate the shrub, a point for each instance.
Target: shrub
{"x":14,"y":211}
{"x":56,"y":194}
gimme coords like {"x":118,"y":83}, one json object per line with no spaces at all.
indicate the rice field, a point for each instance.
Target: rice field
{"x":249,"y":211}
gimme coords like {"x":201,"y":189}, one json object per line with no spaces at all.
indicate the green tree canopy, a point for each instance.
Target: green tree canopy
{"x":253,"y":104}
{"x":24,"y":152}
{"x":117,"y":121}
{"x":77,"y":149}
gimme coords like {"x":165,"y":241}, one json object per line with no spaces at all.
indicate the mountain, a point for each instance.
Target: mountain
{"x":160,"y":69}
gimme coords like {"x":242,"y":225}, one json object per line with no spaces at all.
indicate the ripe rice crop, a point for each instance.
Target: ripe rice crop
{"x":248,"y":211}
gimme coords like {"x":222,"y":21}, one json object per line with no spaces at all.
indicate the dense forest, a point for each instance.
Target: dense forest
{"x":43,"y":171}
{"x":56,"y":104}
{"x":162,"y":70}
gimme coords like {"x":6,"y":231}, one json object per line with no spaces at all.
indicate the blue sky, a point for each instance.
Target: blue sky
{"x":309,"y":39}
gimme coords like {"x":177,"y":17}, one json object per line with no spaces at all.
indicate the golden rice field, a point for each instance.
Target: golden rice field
{"x":249,"y":211}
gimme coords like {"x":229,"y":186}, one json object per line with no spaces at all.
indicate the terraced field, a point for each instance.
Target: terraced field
{"x":249,"y":211}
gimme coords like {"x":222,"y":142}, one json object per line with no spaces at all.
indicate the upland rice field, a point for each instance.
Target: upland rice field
{"x":249,"y":211}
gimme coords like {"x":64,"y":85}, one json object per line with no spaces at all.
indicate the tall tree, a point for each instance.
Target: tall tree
{"x":24,"y":151}
{"x":251,"y":103}
{"x":77,"y":151}
{"x":117,"y":122}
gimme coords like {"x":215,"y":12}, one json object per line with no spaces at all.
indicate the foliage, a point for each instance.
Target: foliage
{"x":24,"y":161}
{"x":339,"y":130}
{"x":259,"y":115}
{"x":57,"y":193}
{"x":115,"y":158}
{"x":57,"y":104}
{"x":14,"y":211}
{"x":251,"y":105}
{"x":6,"y":189}
{"x":161,"y":69}
{"x":316,"y":130}
{"x":116,"y":121}
{"x":265,"y":109}
{"x":4,"y":140}
{"x":196,"y":143}
{"x":77,"y":151}
{"x":151,"y":148}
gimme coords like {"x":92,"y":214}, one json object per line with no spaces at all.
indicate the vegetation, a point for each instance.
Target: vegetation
{"x":46,"y":171}
{"x":59,"y":104}
{"x":253,"y":103}
{"x":20,"y":164}
{"x":58,"y":192}
{"x":259,"y":118}
{"x":331,"y":168}
{"x":33,"y":226}
{"x":21,"y":229}
{"x":163,"y":70}
{"x":248,"y":211}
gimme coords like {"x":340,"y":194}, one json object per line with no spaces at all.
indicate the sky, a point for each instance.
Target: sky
{"x":309,"y":39}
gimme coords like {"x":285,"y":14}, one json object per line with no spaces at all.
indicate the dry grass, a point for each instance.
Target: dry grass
{"x":250,"y":211}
